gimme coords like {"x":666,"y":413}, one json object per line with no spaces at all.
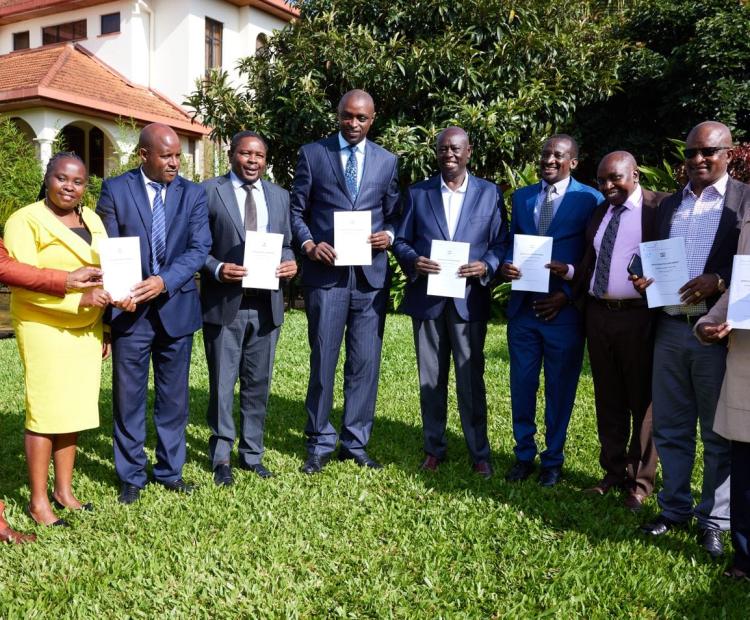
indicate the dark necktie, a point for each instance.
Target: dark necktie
{"x":251,"y":211}
{"x":546,"y":213}
{"x":350,"y":172}
{"x":604,"y":260}
{"x":158,"y":231}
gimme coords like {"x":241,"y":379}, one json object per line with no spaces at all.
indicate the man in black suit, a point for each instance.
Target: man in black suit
{"x":688,"y":375}
{"x":619,"y":328}
{"x":241,"y":325}
{"x":344,"y":172}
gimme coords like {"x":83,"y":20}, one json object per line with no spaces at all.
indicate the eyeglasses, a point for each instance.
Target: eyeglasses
{"x":708,"y":151}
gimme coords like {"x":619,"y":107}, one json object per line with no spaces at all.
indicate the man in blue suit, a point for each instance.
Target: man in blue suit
{"x":452,"y":206}
{"x":169,"y":216}
{"x":547,"y":327}
{"x":344,"y":172}
{"x":241,"y":325}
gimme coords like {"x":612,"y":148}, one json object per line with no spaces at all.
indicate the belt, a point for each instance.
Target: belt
{"x":690,"y":319}
{"x":619,"y":304}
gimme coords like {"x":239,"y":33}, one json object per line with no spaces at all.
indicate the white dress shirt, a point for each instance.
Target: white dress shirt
{"x":453,"y":202}
{"x":151,"y":192}
{"x":261,"y":206}
{"x":558,"y":193}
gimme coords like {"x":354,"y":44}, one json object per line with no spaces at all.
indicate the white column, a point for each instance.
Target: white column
{"x":44,"y":150}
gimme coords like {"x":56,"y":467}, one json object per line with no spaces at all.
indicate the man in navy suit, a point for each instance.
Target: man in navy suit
{"x":452,"y":206}
{"x":344,"y":172}
{"x":168,"y":214}
{"x":547,"y":327}
{"x":241,"y":325}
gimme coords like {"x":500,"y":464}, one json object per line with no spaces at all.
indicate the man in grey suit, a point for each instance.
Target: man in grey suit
{"x":241,"y":325}
{"x":344,"y":172}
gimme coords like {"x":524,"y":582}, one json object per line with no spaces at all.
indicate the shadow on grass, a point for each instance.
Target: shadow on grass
{"x":397,"y":445}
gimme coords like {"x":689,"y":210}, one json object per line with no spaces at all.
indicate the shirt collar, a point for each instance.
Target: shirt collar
{"x":720,"y":186}
{"x":560,"y":186}
{"x":635,"y":200}
{"x":460,"y":189}
{"x":343,"y":144}
{"x":237,"y":182}
{"x":147,"y":180}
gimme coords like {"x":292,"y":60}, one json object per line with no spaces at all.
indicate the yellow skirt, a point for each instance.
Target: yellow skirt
{"x":63,"y":369}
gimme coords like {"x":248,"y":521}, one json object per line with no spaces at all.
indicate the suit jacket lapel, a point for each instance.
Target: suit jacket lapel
{"x":728,"y":219}
{"x":66,"y":236}
{"x":228,"y":198}
{"x":334,"y":157}
{"x":530,"y":204}
{"x":274,"y":225}
{"x":140,"y":199}
{"x":468,"y":206}
{"x":369,"y":167}
{"x":172,"y":203}
{"x":436,"y":202}
{"x":562,"y":208}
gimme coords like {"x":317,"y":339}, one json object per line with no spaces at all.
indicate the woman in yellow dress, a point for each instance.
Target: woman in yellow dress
{"x":59,"y":339}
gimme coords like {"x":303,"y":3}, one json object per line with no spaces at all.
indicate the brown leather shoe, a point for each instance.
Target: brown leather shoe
{"x":484,"y":469}
{"x":634,"y":501}
{"x":430,"y":463}
{"x":602,"y":487}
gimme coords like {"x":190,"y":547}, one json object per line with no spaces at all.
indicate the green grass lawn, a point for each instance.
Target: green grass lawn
{"x":349,"y":543}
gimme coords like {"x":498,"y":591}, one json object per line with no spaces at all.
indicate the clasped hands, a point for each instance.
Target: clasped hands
{"x":546,"y":308}
{"x":142,"y":292}
{"x":476,"y":269}
{"x":231,"y":273}
{"x":324,"y":253}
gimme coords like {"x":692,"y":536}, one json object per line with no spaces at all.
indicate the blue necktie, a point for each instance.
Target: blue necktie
{"x":546,"y":213}
{"x":158,"y":231}
{"x":350,"y":172}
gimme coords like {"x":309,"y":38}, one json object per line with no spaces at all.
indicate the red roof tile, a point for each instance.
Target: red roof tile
{"x":67,"y":76}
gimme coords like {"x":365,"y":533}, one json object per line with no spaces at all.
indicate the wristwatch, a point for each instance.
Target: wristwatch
{"x":721,"y":286}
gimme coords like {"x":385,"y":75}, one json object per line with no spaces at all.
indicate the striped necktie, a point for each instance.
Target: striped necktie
{"x":158,"y":231}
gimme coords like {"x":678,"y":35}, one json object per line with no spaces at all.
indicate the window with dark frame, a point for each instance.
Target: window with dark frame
{"x":21,"y":40}
{"x":110,"y":23}
{"x":72,"y":31}
{"x":213,"y":44}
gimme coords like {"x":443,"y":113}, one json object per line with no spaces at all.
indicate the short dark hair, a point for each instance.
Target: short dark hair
{"x":241,"y":135}
{"x":569,"y":138}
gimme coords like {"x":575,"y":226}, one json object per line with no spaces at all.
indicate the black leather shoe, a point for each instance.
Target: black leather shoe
{"x":710,"y":540}
{"x":259,"y":469}
{"x":520,"y":471}
{"x":314,"y":464}
{"x":129,"y":493}
{"x":223,"y":475}
{"x":177,"y":486}
{"x":660,"y":525}
{"x":87,"y":507}
{"x":363,"y":460}
{"x":549,"y":476}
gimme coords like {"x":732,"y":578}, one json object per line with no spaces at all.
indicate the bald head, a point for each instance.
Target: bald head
{"x":452,"y":132}
{"x":159,"y":150}
{"x":356,"y":112}
{"x":708,"y":151}
{"x":617,"y":177}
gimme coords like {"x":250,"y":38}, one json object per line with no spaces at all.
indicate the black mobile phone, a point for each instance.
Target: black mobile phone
{"x":635,"y":267}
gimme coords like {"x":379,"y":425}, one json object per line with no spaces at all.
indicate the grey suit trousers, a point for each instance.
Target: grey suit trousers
{"x":243,"y":349}
{"x":435,"y":340}
{"x":686,"y":384}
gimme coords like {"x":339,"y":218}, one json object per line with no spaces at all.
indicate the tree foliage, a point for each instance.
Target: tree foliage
{"x":687,"y":61}
{"x":508,"y":72}
{"x":20,"y":172}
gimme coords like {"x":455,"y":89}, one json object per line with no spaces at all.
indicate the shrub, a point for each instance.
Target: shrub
{"x":20,"y":172}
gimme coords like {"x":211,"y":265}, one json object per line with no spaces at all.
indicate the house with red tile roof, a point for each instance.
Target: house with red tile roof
{"x":93,"y":69}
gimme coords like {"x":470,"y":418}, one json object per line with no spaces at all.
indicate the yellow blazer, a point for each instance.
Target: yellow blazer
{"x":33,"y":235}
